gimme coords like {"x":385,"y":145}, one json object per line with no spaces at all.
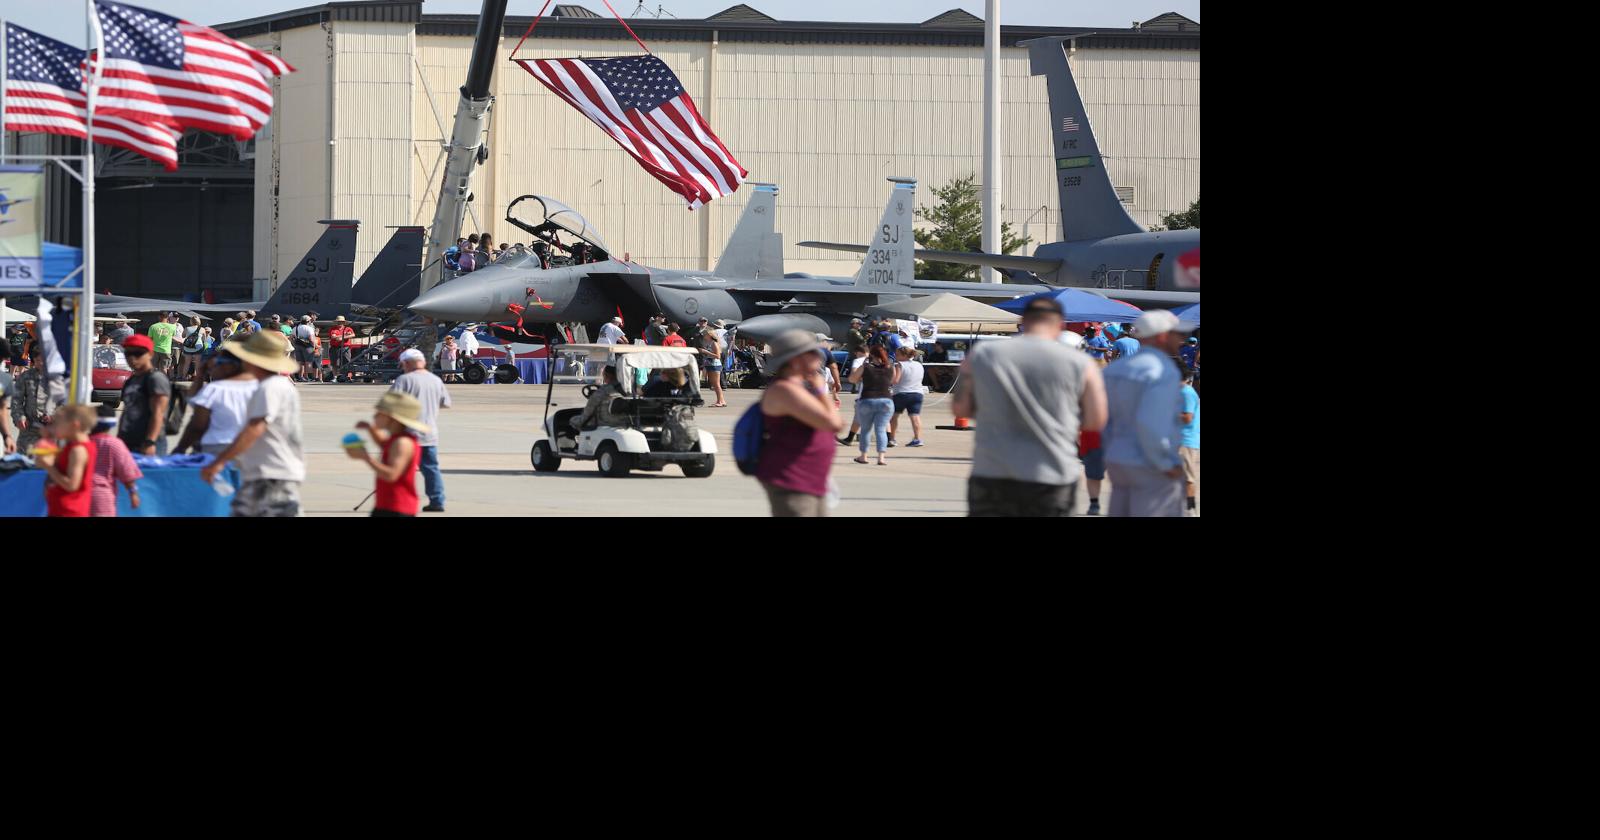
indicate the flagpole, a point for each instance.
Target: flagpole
{"x":83,"y":345}
{"x":3,"y":73}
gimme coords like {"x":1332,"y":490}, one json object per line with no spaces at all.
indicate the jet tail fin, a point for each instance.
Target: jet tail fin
{"x":748,"y":252}
{"x":320,"y":282}
{"x":394,"y":278}
{"x":889,"y":259}
{"x":1089,"y":205}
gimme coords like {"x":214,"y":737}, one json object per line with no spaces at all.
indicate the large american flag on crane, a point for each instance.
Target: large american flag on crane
{"x":162,"y":70}
{"x":642,"y":105}
{"x":45,"y":92}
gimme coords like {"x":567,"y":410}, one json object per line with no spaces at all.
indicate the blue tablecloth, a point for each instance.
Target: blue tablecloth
{"x":168,"y":491}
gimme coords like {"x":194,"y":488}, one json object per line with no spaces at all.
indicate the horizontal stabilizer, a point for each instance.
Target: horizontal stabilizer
{"x":1037,"y":265}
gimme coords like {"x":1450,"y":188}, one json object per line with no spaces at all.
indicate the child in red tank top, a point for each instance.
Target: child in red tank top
{"x":397,"y":416}
{"x":69,"y":476}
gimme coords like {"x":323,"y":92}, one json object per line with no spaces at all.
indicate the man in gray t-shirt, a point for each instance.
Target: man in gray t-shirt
{"x":1031,"y":396}
{"x":270,"y":449}
{"x":429,"y":390}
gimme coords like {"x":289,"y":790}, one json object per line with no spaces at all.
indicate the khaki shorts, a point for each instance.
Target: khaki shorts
{"x":1191,"y":464}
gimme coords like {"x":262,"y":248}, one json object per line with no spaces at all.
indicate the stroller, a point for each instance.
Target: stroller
{"x":746,"y":368}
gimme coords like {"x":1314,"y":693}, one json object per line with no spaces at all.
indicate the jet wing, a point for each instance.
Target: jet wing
{"x":1146,"y":299}
{"x":114,"y":303}
{"x":1037,"y":265}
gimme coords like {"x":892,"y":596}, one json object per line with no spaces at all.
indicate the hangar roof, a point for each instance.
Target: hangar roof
{"x":736,"y":23}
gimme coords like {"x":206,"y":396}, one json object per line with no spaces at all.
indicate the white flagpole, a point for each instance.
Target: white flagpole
{"x":85,"y":338}
{"x":3,"y":33}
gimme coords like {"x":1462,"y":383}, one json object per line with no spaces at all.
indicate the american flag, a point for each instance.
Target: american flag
{"x":641,"y":104}
{"x":159,"y":69}
{"x":45,"y":92}
{"x":1069,"y":124}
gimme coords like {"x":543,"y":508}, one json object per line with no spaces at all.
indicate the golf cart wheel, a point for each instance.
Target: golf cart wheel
{"x":701,"y":468}
{"x":506,"y":374}
{"x":544,"y":458}
{"x":475,"y":374}
{"x":613,"y":463}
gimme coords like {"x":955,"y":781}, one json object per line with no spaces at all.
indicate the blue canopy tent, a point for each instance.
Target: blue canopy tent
{"x":1188,"y":314}
{"x":63,"y":266}
{"x":1079,"y":305}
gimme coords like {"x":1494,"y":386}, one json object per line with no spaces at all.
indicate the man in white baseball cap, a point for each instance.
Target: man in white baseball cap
{"x":429,"y":390}
{"x":1144,"y":432}
{"x":611,"y":332}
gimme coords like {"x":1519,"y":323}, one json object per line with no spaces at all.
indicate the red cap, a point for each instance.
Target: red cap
{"x":138,"y":341}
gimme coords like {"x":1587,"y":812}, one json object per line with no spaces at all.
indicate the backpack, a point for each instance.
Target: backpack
{"x":748,"y":435}
{"x":678,"y":430}
{"x":192,"y":343}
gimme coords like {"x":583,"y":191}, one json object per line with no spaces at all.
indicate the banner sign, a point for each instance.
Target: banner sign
{"x":21,"y":227}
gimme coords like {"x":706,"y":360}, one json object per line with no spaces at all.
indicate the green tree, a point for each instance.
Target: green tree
{"x":1181,"y":221}
{"x":957,"y":225}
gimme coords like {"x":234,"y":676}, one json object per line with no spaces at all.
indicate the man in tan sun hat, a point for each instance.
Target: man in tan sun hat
{"x":398,"y":417}
{"x":269,"y":450}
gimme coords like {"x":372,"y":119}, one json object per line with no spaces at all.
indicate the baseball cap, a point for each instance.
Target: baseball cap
{"x":1156,"y":322}
{"x":141,"y":342}
{"x":616,"y":319}
{"x":412,"y":355}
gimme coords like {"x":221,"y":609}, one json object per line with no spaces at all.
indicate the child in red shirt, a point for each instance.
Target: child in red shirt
{"x":69,"y":477}
{"x":397,"y":414}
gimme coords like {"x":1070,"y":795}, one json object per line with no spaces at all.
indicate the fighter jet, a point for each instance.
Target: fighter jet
{"x":320,"y":281}
{"x":6,"y":204}
{"x":1104,"y":248}
{"x":748,"y":284}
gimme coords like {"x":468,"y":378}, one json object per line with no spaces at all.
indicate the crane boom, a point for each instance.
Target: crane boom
{"x":466,"y":147}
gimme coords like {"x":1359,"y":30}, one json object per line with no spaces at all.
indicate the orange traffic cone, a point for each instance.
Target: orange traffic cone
{"x":963,"y":424}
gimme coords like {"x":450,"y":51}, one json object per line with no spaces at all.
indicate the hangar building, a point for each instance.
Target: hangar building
{"x":824,"y":109}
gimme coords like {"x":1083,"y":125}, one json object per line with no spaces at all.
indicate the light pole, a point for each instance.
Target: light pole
{"x":991,"y":134}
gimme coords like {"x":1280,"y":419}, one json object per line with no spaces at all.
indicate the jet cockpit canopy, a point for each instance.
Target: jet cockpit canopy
{"x":556,"y":216}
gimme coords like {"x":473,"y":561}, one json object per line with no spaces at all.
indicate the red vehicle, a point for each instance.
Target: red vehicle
{"x":110,"y":372}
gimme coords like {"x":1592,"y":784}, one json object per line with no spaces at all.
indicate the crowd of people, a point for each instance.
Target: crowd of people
{"x":181,"y":350}
{"x":244,"y":410}
{"x":1050,"y":408}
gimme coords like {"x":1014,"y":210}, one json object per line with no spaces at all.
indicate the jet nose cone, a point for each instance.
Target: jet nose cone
{"x":461,"y":299}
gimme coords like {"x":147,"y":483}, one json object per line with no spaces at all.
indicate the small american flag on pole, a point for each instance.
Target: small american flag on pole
{"x":1069,"y":124}
{"x":642,"y":105}
{"x":159,"y":69}
{"x":45,"y":92}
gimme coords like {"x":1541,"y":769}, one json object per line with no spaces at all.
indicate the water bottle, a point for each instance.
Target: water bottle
{"x":222,"y":486}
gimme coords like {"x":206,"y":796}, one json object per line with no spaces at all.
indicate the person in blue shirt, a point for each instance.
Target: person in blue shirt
{"x":1096,"y":345}
{"x":1126,"y":346}
{"x":1189,"y":441}
{"x":1144,"y":432}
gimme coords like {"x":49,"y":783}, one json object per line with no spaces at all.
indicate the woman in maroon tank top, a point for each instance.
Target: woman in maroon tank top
{"x":801,"y":420}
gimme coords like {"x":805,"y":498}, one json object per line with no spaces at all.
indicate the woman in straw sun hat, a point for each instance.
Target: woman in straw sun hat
{"x":271,"y":455}
{"x":398,"y":414}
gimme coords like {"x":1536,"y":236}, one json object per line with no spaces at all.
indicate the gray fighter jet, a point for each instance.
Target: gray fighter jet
{"x":1106,"y":251}
{"x":1103,"y":248}
{"x":748,"y":284}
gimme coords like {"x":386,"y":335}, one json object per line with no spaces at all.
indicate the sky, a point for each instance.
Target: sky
{"x":64,"y":19}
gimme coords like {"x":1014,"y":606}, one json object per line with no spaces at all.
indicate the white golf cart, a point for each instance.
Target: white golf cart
{"x":648,"y":432}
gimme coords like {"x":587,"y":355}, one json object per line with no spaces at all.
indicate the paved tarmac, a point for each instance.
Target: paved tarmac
{"x":485,"y":439}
